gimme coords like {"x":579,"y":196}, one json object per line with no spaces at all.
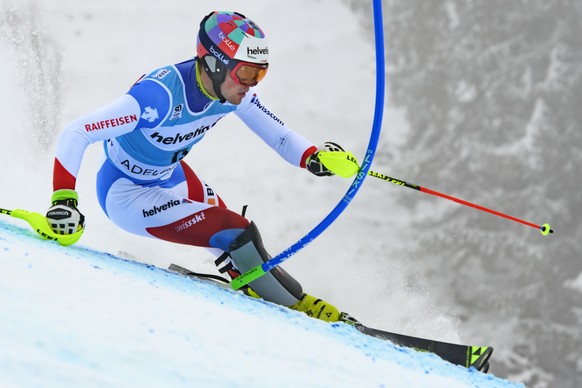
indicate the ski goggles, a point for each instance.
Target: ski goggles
{"x":248,"y":74}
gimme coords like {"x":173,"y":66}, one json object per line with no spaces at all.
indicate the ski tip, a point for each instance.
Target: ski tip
{"x":479,"y":357}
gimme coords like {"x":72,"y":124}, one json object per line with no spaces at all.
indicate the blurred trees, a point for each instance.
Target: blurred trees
{"x":493,"y":94}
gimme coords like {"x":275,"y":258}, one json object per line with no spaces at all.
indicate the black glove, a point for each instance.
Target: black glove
{"x":64,"y":217}
{"x":314,"y":165}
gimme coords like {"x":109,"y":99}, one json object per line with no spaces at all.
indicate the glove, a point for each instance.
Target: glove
{"x":63,"y":217}
{"x":314,"y":165}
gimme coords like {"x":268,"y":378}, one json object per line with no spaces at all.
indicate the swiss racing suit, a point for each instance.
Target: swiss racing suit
{"x":143,"y":185}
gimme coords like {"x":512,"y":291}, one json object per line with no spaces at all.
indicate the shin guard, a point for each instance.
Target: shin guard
{"x":277,"y":286}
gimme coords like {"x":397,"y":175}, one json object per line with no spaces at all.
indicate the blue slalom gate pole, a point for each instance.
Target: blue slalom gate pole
{"x":260,"y":270}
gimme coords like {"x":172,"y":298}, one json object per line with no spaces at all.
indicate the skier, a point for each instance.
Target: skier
{"x":145,"y":187}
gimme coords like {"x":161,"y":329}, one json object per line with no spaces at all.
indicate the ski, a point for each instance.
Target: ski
{"x":464,"y":355}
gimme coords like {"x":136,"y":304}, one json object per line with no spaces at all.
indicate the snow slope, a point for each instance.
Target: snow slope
{"x":77,"y":317}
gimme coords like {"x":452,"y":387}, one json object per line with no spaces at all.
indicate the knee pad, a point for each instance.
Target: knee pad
{"x":277,"y":286}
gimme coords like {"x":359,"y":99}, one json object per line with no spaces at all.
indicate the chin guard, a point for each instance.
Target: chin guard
{"x":216,"y":70}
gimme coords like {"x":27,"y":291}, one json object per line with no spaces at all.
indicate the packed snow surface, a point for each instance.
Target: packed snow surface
{"x":77,"y":317}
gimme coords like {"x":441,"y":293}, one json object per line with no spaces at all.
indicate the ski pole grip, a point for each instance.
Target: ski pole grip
{"x":341,"y":163}
{"x":38,"y":222}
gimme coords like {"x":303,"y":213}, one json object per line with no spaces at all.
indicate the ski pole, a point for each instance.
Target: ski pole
{"x":346,"y":165}
{"x":40,"y":225}
{"x":545,"y":229}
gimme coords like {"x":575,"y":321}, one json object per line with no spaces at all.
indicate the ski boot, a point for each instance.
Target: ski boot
{"x":320,"y":309}
{"x":316,"y":308}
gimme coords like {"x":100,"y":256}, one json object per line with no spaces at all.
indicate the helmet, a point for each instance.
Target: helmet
{"x":231,"y":37}
{"x":230,"y":40}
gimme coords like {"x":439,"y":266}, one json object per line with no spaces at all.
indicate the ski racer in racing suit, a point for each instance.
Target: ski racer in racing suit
{"x":145,"y":187}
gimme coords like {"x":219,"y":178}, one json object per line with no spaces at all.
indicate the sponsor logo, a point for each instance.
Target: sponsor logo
{"x":219,"y":55}
{"x":138,"y":170}
{"x":196,"y":218}
{"x":255,"y":100}
{"x":178,"y":138}
{"x":226,"y":41}
{"x":177,"y":112}
{"x":210,"y":195}
{"x":159,"y":209}
{"x":162,"y":73}
{"x":252,"y":52}
{"x":59,"y":214}
{"x":150,"y":114}
{"x":115,"y":122}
